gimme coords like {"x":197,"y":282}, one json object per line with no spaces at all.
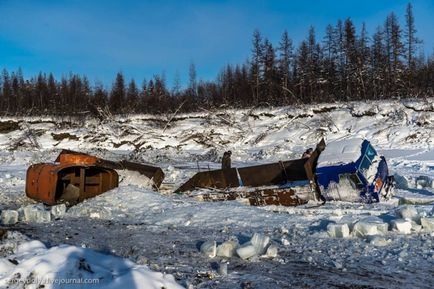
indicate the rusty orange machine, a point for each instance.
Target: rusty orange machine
{"x":77,"y":176}
{"x":156,"y":174}
{"x":68,"y":182}
{"x":287,"y":183}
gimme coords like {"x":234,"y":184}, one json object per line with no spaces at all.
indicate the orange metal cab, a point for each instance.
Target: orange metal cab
{"x":68,"y":183}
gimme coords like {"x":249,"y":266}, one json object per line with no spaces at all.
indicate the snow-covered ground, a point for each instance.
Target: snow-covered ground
{"x":387,"y":245}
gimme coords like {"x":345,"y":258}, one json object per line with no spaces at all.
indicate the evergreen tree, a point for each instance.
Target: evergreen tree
{"x":394,"y":51}
{"x":363,"y":59}
{"x":330,"y":61}
{"x":256,"y":65}
{"x":350,"y":58}
{"x":285,"y":63}
{"x":378,"y":64}
{"x":132,"y":97}
{"x":411,"y":41}
{"x":271,"y":81}
{"x":117,"y":95}
{"x":52,"y":94}
{"x":302,"y":81}
{"x":192,"y":74}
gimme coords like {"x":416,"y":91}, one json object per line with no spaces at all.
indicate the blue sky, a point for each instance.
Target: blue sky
{"x":143,"y":38}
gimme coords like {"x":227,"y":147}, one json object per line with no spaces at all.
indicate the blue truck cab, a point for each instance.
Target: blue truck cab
{"x":352,"y":170}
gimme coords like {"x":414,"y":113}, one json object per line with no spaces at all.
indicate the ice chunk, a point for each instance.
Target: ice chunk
{"x":338,"y":230}
{"x":21,"y":216}
{"x":379,"y":241}
{"x":383,"y":227}
{"x":43,"y":217}
{"x":428,"y":224}
{"x":401,"y":182}
{"x":247,"y":251}
{"x":223,"y":268}
{"x":36,"y":214}
{"x":408,"y":213}
{"x":58,"y":211}
{"x":363,"y":229}
{"x":285,"y":242}
{"x":370,"y":226}
{"x":284,"y":230}
{"x":71,"y":193}
{"x":9,"y":217}
{"x":227,"y":249}
{"x":209,"y":248}
{"x":349,"y":220}
{"x":260,"y":242}
{"x":101,"y":213}
{"x":415,"y":226}
{"x":402,"y":226}
{"x":423,"y":182}
{"x":272,"y":251}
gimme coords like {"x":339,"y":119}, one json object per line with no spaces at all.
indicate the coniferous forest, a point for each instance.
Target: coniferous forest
{"x":347,"y":64}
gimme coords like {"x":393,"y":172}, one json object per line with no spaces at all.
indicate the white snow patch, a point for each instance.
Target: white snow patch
{"x":67,"y":266}
{"x":341,"y":152}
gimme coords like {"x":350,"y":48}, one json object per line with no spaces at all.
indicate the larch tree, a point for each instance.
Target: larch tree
{"x":256,"y":65}
{"x":285,"y":63}
{"x":117,"y":94}
{"x":132,"y":97}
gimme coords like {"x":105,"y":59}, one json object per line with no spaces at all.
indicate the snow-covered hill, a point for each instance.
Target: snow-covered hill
{"x":164,"y":231}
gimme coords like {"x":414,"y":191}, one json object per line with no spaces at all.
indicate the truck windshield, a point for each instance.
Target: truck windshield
{"x":367,"y":159}
{"x":370,"y":153}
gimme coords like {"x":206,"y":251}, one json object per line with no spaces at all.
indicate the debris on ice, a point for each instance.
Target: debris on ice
{"x":338,"y":230}
{"x":9,"y":217}
{"x":209,"y":249}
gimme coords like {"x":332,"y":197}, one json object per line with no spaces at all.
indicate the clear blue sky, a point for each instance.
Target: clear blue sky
{"x":140,"y":38}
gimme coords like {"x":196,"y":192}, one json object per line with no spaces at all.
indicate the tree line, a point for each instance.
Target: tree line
{"x":345,"y":65}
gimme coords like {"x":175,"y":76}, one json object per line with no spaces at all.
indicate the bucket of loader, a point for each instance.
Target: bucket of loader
{"x":68,"y":183}
{"x":77,"y":176}
{"x":154,"y":173}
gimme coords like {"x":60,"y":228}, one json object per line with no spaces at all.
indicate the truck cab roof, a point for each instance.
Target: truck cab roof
{"x":341,"y":152}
